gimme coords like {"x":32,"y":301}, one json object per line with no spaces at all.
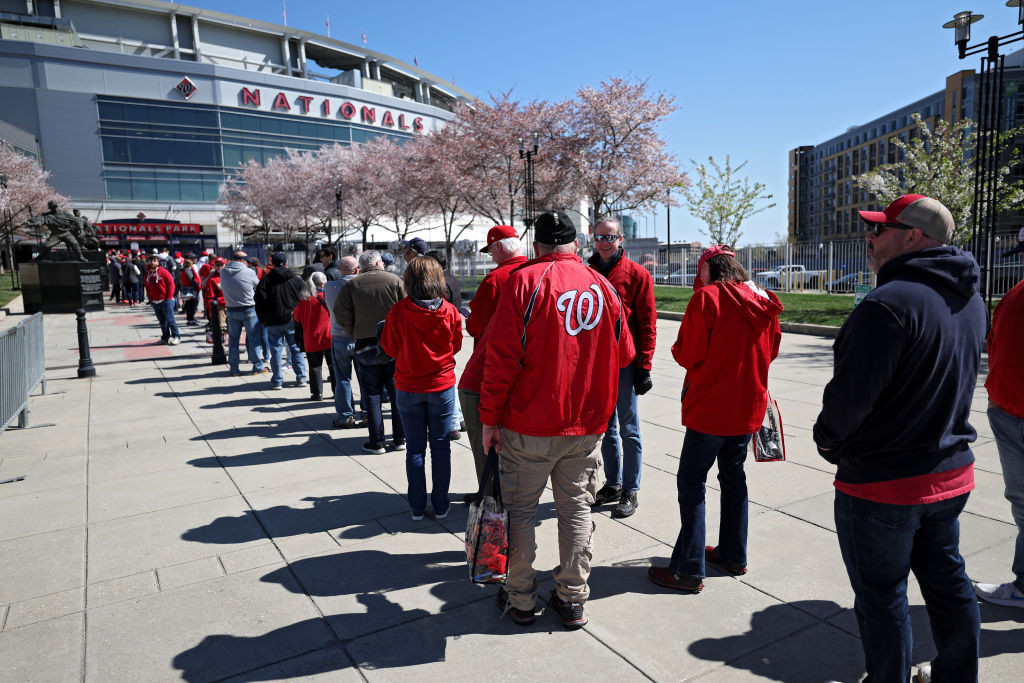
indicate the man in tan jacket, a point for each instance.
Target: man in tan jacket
{"x":360,"y":306}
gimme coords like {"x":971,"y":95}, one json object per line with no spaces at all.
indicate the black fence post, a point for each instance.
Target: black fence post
{"x":85,"y":366}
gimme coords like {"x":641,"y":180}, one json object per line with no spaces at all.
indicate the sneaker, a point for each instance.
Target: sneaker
{"x":462,"y":426}
{"x":924,"y":674}
{"x":348,"y":423}
{"x":712,"y":557}
{"x":316,"y":397}
{"x":174,"y":341}
{"x":607,"y":494}
{"x":417,"y":516}
{"x":261,"y":371}
{"x":627,"y":505}
{"x":572,"y":613}
{"x":520,"y":616}
{"x":454,"y":435}
{"x":442,"y":515}
{"x":1000,"y":594}
{"x":300,"y":382}
{"x":158,"y":342}
{"x":276,"y":387}
{"x":663,"y":576}
{"x":398,"y":445}
{"x":374,"y":447}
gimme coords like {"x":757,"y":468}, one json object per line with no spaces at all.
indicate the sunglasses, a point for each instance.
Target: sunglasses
{"x":606,"y":238}
{"x":880,"y":227}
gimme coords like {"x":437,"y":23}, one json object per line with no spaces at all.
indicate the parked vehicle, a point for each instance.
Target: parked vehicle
{"x":794,"y":275}
{"x":847,"y":283}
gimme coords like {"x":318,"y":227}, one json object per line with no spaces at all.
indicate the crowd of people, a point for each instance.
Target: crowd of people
{"x":561,"y":351}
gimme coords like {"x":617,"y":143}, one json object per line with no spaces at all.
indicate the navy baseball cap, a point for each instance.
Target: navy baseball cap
{"x":417,"y":244}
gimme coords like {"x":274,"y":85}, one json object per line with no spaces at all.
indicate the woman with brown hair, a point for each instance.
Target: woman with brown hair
{"x":423,"y":332}
{"x":729,"y":336}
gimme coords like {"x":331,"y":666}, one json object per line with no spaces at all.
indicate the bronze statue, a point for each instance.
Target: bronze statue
{"x":70,"y":229}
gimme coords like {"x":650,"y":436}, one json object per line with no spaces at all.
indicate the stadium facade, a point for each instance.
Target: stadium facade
{"x":823,"y":200}
{"x":140,"y":109}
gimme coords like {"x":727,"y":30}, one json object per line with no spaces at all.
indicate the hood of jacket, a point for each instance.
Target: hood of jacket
{"x":238,"y":282}
{"x":944,"y":268}
{"x":280,"y":274}
{"x":759,"y":307}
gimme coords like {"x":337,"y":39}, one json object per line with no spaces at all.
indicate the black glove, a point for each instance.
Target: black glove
{"x":642,"y":381}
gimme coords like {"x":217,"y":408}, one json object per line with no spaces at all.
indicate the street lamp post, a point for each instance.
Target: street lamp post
{"x":529,"y":209}
{"x":989,"y":120}
{"x":338,"y":207}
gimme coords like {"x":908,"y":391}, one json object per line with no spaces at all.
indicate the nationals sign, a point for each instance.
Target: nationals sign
{"x":148,"y":228}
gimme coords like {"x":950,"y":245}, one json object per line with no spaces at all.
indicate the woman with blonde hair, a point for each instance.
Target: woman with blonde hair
{"x":423,"y":332}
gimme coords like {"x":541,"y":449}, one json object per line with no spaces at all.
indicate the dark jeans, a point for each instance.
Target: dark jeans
{"x":315,"y":360}
{"x":881,"y":544}
{"x":427,"y":417}
{"x":165,"y":315}
{"x":700,"y":451}
{"x":190,"y":306}
{"x":374,"y":380}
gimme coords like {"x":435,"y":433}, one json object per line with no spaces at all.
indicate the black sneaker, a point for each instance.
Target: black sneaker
{"x":572,"y":613}
{"x":398,"y":444}
{"x":607,"y":494}
{"x":374,"y":447}
{"x":627,"y":505}
{"x":521,"y":617}
{"x":348,"y":423}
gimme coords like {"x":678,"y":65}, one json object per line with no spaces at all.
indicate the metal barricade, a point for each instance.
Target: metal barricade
{"x":24,"y":368}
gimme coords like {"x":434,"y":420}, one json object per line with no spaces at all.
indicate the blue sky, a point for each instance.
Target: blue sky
{"x":752,"y":79}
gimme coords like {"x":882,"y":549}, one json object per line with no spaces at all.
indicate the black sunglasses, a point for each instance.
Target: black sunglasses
{"x":606,"y":238}
{"x":880,"y":227}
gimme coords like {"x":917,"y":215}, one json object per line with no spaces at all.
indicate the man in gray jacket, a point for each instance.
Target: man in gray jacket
{"x":238,"y":282}
{"x":362,"y":303}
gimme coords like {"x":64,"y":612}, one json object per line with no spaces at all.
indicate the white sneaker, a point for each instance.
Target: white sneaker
{"x":924,"y":674}
{"x":1000,"y":594}
{"x":174,"y":341}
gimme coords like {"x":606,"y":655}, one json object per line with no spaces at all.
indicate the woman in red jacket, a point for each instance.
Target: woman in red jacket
{"x":312,"y":314}
{"x":729,"y":335}
{"x":423,"y":332}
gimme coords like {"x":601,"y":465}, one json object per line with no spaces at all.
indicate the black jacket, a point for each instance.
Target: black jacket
{"x":906,"y":365}
{"x":277,"y":295}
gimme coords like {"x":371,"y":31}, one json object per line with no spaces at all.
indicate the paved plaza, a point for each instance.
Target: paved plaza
{"x":178,"y":523}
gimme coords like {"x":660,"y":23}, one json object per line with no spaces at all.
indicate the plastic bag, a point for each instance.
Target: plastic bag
{"x":769,"y":442}
{"x":487,"y":531}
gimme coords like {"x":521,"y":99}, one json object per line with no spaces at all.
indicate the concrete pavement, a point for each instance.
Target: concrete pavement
{"x":180,"y":523}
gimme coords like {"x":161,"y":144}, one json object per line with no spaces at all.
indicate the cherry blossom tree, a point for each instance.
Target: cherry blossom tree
{"x":359,"y":174}
{"x":441,"y":183}
{"x":401,"y":192}
{"x":261,"y":200}
{"x":620,"y":162}
{"x":27,"y":191}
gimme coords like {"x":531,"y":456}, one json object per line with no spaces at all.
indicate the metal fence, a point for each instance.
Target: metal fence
{"x":24,"y":369}
{"x":819,"y":267}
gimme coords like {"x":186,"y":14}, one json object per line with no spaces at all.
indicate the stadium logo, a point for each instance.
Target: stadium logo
{"x":186,"y":87}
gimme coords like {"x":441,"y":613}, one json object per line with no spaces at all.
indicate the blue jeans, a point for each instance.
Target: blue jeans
{"x":700,"y":451}
{"x":165,"y":315}
{"x":881,"y":544}
{"x":281,"y":335}
{"x":1009,"y":433}
{"x":374,"y":380}
{"x":427,"y":415}
{"x":342,"y":350}
{"x":622,"y":465}
{"x":237,"y":319}
{"x":263,"y":339}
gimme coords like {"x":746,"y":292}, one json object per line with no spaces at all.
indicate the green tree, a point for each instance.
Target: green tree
{"x":939,"y":163}
{"x":722,"y":200}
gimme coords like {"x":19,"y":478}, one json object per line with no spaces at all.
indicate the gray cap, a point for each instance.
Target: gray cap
{"x":916,"y":211}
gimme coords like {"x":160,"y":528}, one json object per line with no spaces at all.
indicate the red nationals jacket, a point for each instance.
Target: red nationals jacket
{"x":481,"y":308}
{"x":159,"y":284}
{"x":635,"y":286}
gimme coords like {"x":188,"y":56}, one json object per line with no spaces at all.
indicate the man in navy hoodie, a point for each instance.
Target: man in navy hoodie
{"x":894,"y":420}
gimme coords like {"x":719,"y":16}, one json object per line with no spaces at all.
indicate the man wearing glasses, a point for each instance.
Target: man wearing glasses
{"x":622,"y":466}
{"x":894,"y":419}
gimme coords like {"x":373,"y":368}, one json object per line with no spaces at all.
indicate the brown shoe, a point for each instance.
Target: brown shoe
{"x":711,"y":556}
{"x":663,"y":576}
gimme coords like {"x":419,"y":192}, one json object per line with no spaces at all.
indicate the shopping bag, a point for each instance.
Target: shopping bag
{"x":487,"y":530}
{"x":769,"y":441}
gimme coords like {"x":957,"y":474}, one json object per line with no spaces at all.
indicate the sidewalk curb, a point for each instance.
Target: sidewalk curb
{"x":828,"y":331}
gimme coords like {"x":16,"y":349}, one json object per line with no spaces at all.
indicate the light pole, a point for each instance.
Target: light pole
{"x":989,"y":120}
{"x":338,"y":207}
{"x":530,"y":208}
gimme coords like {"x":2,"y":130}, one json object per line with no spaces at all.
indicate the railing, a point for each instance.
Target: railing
{"x":24,"y":369}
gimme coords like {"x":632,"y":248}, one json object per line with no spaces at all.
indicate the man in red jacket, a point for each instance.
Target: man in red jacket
{"x":505,"y":250}
{"x":1005,"y":386}
{"x":554,"y":349}
{"x":622,"y":466}
{"x":160,"y":290}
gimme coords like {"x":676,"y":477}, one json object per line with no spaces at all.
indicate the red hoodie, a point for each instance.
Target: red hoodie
{"x":729,"y":335}
{"x":485,"y":300}
{"x":635,"y":286}
{"x":554,"y":349}
{"x":423,"y":343}
{"x":159,"y":284}
{"x":312,"y":314}
{"x":1005,"y":381}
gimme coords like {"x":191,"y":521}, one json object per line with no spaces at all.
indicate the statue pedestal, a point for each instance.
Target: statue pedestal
{"x":62,"y":286}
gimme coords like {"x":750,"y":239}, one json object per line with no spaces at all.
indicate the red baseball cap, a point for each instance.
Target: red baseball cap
{"x":710,"y":253}
{"x":497,"y":233}
{"x":916,"y":211}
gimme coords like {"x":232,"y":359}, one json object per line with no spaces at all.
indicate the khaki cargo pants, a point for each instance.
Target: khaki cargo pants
{"x":572,"y":464}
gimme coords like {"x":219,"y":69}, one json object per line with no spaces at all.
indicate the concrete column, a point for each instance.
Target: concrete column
{"x":56,"y":8}
{"x":286,"y":54}
{"x":376,"y":69}
{"x":195,"y":38}
{"x":174,"y":35}
{"x":366,"y":67}
{"x":302,"y":58}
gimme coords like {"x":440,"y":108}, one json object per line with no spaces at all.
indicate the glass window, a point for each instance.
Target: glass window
{"x":185,"y":117}
{"x":250,"y":153}
{"x":269,"y":124}
{"x":206,"y":118}
{"x":211,"y":191}
{"x":119,"y":188}
{"x":325,"y":131}
{"x":135,"y":112}
{"x":112,"y":111}
{"x":250,"y":123}
{"x":307,"y":130}
{"x":115,"y":149}
{"x":232,"y":156}
{"x":289,"y":127}
{"x":232,"y":121}
{"x":191,"y":191}
{"x":167,"y":190}
{"x":161,"y":115}
{"x":143,"y":189}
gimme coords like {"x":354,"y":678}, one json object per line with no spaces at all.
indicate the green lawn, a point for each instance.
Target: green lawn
{"x":816,"y":309}
{"x":6,"y":293}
